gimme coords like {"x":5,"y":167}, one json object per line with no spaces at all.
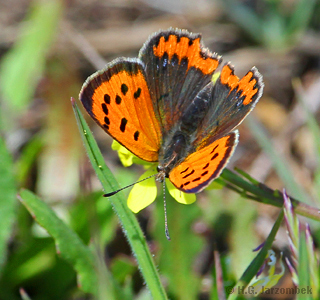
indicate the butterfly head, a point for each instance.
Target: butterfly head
{"x":171,"y":154}
{"x":162,"y":174}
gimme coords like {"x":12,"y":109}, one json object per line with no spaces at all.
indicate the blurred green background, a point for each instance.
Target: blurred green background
{"x":47,"y":50}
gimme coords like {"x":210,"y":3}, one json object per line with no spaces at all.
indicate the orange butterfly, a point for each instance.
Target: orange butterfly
{"x":163,"y":106}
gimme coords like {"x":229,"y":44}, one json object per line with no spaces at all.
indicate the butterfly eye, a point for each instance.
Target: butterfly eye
{"x":164,"y":170}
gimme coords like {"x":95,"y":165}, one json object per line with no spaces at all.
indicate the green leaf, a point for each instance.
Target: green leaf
{"x":68,"y":244}
{"x":26,"y":60}
{"x":313,"y":263}
{"x":27,"y":158}
{"x":217,"y":289}
{"x":122,"y":267}
{"x":304,"y":270}
{"x":264,"y":283}
{"x":7,"y":200}
{"x":256,"y":264}
{"x":128,"y":220}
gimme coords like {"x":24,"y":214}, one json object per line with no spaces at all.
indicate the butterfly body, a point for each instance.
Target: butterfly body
{"x":163,"y":106}
{"x":180,"y":141}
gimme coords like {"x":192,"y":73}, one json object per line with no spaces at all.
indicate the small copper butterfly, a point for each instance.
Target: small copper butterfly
{"x":163,"y":106}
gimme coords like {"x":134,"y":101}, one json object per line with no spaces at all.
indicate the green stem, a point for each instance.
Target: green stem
{"x":129,"y":223}
{"x":257,"y":262}
{"x":261,"y":193}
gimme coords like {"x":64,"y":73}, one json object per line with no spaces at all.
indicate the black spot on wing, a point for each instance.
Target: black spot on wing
{"x":136,"y":135}
{"x":124,"y":89}
{"x":204,"y":173}
{"x":105,"y":108}
{"x":184,"y":170}
{"x":106,"y":120}
{"x":214,"y":156}
{"x":185,"y":176}
{"x":214,"y":149}
{"x":118,"y":99}
{"x":206,"y":166}
{"x":137,"y":93}
{"x":123,"y":124}
{"x":107,"y":98}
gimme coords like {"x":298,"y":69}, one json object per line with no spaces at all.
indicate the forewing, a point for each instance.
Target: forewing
{"x":177,"y":68}
{"x":118,"y":99}
{"x":231,"y":99}
{"x":201,"y":167}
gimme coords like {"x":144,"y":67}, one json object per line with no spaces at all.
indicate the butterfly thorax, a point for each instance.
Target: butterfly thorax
{"x":171,"y":154}
{"x":179,"y":142}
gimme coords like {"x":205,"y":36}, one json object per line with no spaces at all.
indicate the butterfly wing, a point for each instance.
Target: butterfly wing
{"x":177,"y":68}
{"x":201,"y":167}
{"x":118,"y":99}
{"x":230,"y":100}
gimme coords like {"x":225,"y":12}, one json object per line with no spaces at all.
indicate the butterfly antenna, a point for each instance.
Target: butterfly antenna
{"x":119,"y":190}
{"x":165,"y":212}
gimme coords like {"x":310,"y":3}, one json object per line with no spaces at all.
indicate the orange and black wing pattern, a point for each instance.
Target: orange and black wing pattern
{"x":177,"y":67}
{"x":201,"y":167}
{"x":230,"y":100}
{"x":118,"y":99}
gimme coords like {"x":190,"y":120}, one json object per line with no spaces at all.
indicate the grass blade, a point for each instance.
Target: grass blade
{"x":304,"y":270}
{"x":130,"y":225}
{"x":69,"y":245}
{"x":26,"y":60}
{"x":256,"y":264}
{"x":7,"y":199}
{"x":257,"y":191}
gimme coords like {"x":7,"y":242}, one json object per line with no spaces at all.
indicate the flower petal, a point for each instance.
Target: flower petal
{"x":179,"y":196}
{"x":143,"y":193}
{"x":126,"y":157}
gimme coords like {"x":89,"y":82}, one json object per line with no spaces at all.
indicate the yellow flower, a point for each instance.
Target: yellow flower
{"x":145,"y":192}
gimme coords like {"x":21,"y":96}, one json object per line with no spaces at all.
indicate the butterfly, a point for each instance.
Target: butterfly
{"x":164,"y":107}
